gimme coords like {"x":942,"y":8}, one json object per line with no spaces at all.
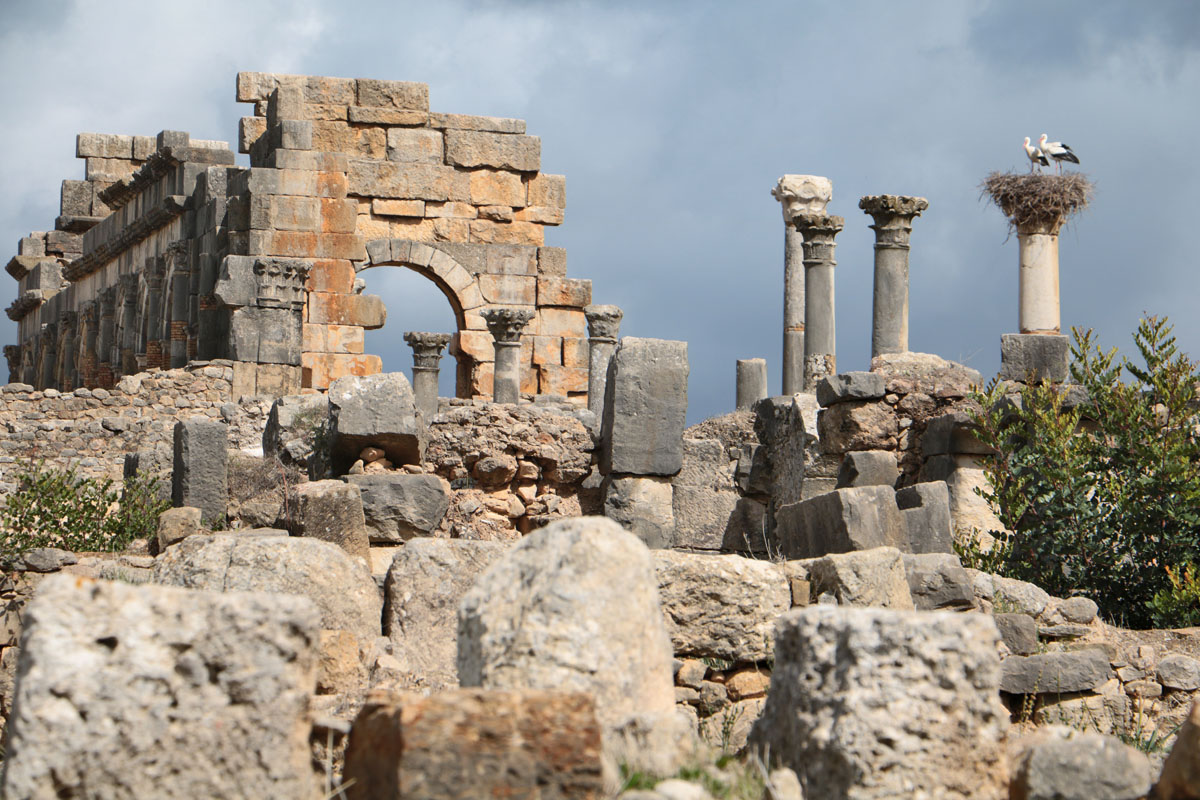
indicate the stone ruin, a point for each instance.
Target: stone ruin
{"x":523,"y":589}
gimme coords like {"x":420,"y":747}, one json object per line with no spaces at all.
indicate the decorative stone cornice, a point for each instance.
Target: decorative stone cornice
{"x":802,"y":194}
{"x":26,"y":302}
{"x":155,"y":167}
{"x":427,"y":348}
{"x":125,"y":237}
{"x":604,"y":322}
{"x":893,"y":215}
{"x":506,"y":323}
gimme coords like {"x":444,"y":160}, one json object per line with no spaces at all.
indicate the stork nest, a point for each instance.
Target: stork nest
{"x":1037,"y":202}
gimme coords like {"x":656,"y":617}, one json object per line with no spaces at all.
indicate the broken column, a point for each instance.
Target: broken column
{"x":505,"y":324}
{"x":427,"y":356}
{"x":751,"y":381}
{"x":798,"y":194}
{"x":820,"y":348}
{"x":604,"y":326}
{"x":200,"y":476}
{"x":893,"y":215}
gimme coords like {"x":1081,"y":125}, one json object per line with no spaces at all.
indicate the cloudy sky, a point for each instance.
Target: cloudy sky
{"x":672,"y":121}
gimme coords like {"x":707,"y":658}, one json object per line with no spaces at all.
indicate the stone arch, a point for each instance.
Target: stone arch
{"x":460,"y":287}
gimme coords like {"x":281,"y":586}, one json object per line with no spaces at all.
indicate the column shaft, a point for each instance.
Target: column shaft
{"x":427,"y":357}
{"x":893,"y":215}
{"x":751,"y":381}
{"x":1039,"y":300}
{"x":793,"y":312}
{"x":820,"y":346}
{"x":506,"y":382}
{"x":604,"y":326}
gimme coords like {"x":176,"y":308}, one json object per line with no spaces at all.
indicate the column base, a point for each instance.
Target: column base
{"x":1034,"y":357}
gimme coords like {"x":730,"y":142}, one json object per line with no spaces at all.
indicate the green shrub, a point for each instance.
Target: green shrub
{"x":1178,"y":605}
{"x":54,"y":507}
{"x":1103,"y":496}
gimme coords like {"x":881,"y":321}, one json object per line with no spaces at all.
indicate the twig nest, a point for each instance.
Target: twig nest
{"x":1038,"y":203}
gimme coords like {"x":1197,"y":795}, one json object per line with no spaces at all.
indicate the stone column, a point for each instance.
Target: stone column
{"x":68,"y":324}
{"x":180,"y":292}
{"x":49,"y":355}
{"x":797,"y":194}
{"x":893,"y":215}
{"x":505,"y":325}
{"x":107,"y":338}
{"x":1039,"y":304}
{"x":751,"y":381}
{"x":427,"y":357}
{"x":820,"y":341}
{"x":155,"y":273}
{"x":87,"y":366}
{"x":129,"y":332}
{"x":12,"y":354}
{"x":28,"y":363}
{"x":604,"y":327}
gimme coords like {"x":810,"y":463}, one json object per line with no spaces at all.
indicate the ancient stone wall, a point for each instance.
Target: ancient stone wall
{"x":169,"y":252}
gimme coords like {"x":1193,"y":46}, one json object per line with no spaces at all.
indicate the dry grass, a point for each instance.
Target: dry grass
{"x":1038,"y":202}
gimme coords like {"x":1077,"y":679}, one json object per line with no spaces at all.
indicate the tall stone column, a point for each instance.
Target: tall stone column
{"x":68,"y":323}
{"x":153,"y":348}
{"x":604,"y":328}
{"x":49,"y":355}
{"x":797,"y":194}
{"x":427,"y":357}
{"x":87,"y":365}
{"x":820,"y":340}
{"x":751,"y":381}
{"x":129,"y":332}
{"x":107,"y":338}
{"x":180,"y":277}
{"x":893,"y":215}
{"x":1039,"y":301}
{"x":505,"y":325}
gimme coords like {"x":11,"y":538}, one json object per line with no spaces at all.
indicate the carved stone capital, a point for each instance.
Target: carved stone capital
{"x":506,"y":323}
{"x":108,"y":301}
{"x":818,"y":231}
{"x":893,"y":215}
{"x":802,"y":194}
{"x":90,"y":311}
{"x":281,"y":282}
{"x":604,"y":322}
{"x":129,"y":285}
{"x":156,"y":271}
{"x":427,"y":348}
{"x":68,"y":320}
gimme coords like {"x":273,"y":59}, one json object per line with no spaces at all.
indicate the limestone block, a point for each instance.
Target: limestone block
{"x":103,"y":145}
{"x":645,"y":408}
{"x":1045,"y":357}
{"x":266,"y":335}
{"x":841,"y":521}
{"x":1180,"y":778}
{"x":393,"y":94}
{"x":176,"y":524}
{"x":109,"y":170}
{"x":859,"y":709}
{"x":495,"y":188}
{"x":364,"y":310}
{"x":292,"y":426}
{"x":498,"y":150}
{"x":201,"y":463}
{"x":780,"y":425}
{"x":547,"y":350}
{"x":643,"y":506}
{"x":951,"y":433}
{"x":573,"y":606}
{"x":339,"y":668}
{"x":320,"y":370}
{"x":415,"y":145}
{"x":477,"y":743}
{"x":1057,"y":761}
{"x":552,"y":262}
{"x":349,"y":339}
{"x":549,"y":191}
{"x":304,"y":244}
{"x":926,"y":511}
{"x":1055,"y":673}
{"x":1019,"y":633}
{"x":846,"y":386}
{"x":869,"y":468}
{"x":925,"y":373}
{"x":575,"y":351}
{"x":130,"y":691}
{"x":873,"y":577}
{"x":369,"y":115}
{"x":963,"y":474}
{"x":542,"y":215}
{"x":857,"y":425}
{"x":341,"y":587}
{"x":375,"y":411}
{"x":425,"y":584}
{"x":397,"y":208}
{"x":564,"y":292}
{"x":1180,"y":672}
{"x":76,"y":198}
{"x":720,"y":606}
{"x":468,"y":122}
{"x":573,"y":322}
{"x":399,"y":506}
{"x":488,"y":232}
{"x":508,"y":290}
{"x":338,"y":215}
{"x":331,"y":511}
{"x":709,"y":519}
{"x":371,"y":178}
{"x":938,"y":581}
{"x":561,"y":381}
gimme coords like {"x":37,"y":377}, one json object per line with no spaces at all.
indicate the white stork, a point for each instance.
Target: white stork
{"x":1058,"y":151}
{"x":1036,"y":158}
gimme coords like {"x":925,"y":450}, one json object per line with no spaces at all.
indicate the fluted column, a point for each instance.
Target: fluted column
{"x":893,"y":215}
{"x":427,"y":357}
{"x":820,"y":339}
{"x":604,"y":328}
{"x":797,"y":194}
{"x":505,"y":325}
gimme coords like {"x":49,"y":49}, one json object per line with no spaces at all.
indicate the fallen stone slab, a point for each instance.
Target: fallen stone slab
{"x":1055,"y":673}
{"x":859,"y":709}
{"x":425,"y":584}
{"x":846,"y":386}
{"x":868,"y":468}
{"x":841,"y":521}
{"x":476,"y":743}
{"x":374,"y":411}
{"x":399,"y":506}
{"x":1019,"y":632}
{"x":201,"y":467}
{"x":925,"y":508}
{"x":331,"y":511}
{"x":938,"y":581}
{"x":1181,"y":672}
{"x":1061,"y":763}
{"x":645,"y":408}
{"x":144,"y":691}
{"x":341,"y":587}
{"x":720,"y":606}
{"x":873,"y":577}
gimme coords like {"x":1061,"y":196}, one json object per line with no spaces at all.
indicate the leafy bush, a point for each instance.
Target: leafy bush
{"x":1103,"y":496}
{"x":57,"y":508}
{"x":1178,"y":606}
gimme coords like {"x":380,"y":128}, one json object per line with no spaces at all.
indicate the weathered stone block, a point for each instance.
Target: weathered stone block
{"x":341,"y":587}
{"x":1055,"y":673}
{"x":477,"y":743}
{"x":841,"y":521}
{"x":399,"y":506}
{"x":1177,"y":671}
{"x":292,"y":426}
{"x":492,"y":188}
{"x":1045,"y":357}
{"x":564,"y":292}
{"x":146,"y":691}
{"x":720,"y":606}
{"x":103,"y":145}
{"x":509,"y":290}
{"x":364,"y":310}
{"x":333,"y":339}
{"x":868,"y":468}
{"x":331,"y":511}
{"x":468,"y":122}
{"x":320,"y":370}
{"x":1062,"y":762}
{"x":415,"y":145}
{"x":642,"y":506}
{"x":846,"y":386}
{"x":498,"y":150}
{"x":926,"y":511}
{"x":1019,"y":633}
{"x":859,"y":709}
{"x":425,"y":584}
{"x":552,"y":262}
{"x":873,"y":577}
{"x":176,"y":524}
{"x":374,"y":411}
{"x":371,"y":178}
{"x":266,"y":335}
{"x":369,"y":115}
{"x":938,"y":581}
{"x":201,"y":463}
{"x":951,"y":433}
{"x":76,"y":198}
{"x":548,"y":191}
{"x":645,"y":408}
{"x":396,"y":208}
{"x":393,"y":94}
{"x":857,"y":425}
